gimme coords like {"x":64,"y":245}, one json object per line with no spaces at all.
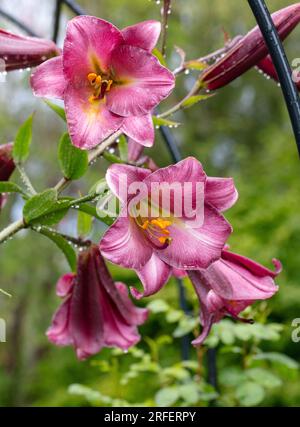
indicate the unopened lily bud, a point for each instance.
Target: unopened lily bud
{"x":249,"y":50}
{"x":18,"y":52}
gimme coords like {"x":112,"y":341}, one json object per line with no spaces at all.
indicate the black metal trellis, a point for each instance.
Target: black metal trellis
{"x":289,"y":91}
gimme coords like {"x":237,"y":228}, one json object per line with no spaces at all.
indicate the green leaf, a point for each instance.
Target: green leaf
{"x":195,"y":99}
{"x":57,"y":109}
{"x":279,"y":358}
{"x":10,"y":187}
{"x":159,"y":121}
{"x":123,"y":148}
{"x":185,"y":326}
{"x":158,"y":306}
{"x":263,"y":377}
{"x":111,"y":158}
{"x":23,"y":141}
{"x":62,"y":244}
{"x":189,"y":393}
{"x":195,"y":65}
{"x":250,"y":393}
{"x":157,"y":53}
{"x":73,"y":161}
{"x":167,"y":396}
{"x":39,"y":205}
{"x":84,"y":224}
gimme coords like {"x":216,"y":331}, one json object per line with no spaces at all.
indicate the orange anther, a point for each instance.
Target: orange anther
{"x":92,"y":78}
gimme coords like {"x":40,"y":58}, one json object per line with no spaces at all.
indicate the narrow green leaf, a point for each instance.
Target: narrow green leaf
{"x":73,"y":161}
{"x":157,"y":53}
{"x":62,"y":244}
{"x":159,"y":121}
{"x":23,"y":141}
{"x":194,"y":99}
{"x":10,"y":187}
{"x":111,"y":158}
{"x":39,"y":205}
{"x":57,"y":109}
{"x":123,"y":148}
{"x":195,"y":65}
{"x":84,"y":224}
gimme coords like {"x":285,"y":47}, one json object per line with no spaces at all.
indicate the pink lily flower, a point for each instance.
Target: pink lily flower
{"x":7,"y":166}
{"x":96,"y":312}
{"x":249,"y":50}
{"x":230,"y":285}
{"x":153,"y":244}
{"x":21,"y":52}
{"x":108,"y":80}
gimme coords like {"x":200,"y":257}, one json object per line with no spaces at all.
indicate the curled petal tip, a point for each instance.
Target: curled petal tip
{"x":278,"y":266}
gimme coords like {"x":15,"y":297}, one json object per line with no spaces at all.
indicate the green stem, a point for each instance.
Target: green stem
{"x":178,"y":106}
{"x":13,"y":228}
{"x":26,"y":180}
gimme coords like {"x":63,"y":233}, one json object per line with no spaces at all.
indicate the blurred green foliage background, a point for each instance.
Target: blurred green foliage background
{"x":244,"y":132}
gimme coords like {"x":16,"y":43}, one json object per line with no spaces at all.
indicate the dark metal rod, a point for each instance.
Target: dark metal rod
{"x":78,"y":10}
{"x":290,"y":92}
{"x":212,"y":376}
{"x":56,"y":20}
{"x":19,"y":24}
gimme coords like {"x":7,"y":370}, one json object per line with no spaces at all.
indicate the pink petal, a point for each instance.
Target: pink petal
{"x":187,"y":170}
{"x":143,"y":82}
{"x":135,"y":150}
{"x":193,"y":248}
{"x":117,"y":333}
{"x":140,"y":315}
{"x":144,"y":34}
{"x":221,"y":193}
{"x":88,"y":123}
{"x":88,"y":46}
{"x":124,"y":244}
{"x":234,"y":282}
{"x":189,"y":178}
{"x":140,"y":129}
{"x":253,"y":266}
{"x":59,"y":332}
{"x":65,"y":285}
{"x":86,"y":320}
{"x":120,"y":177}
{"x":48,"y":79}
{"x":153,"y":276}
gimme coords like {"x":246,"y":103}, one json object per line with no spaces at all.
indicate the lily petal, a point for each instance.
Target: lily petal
{"x":153,"y":276}
{"x":65,"y":285}
{"x":116,"y":175}
{"x":89,"y":123}
{"x":48,"y":79}
{"x":124,"y":244}
{"x":140,"y":129}
{"x":144,"y":34}
{"x":88,"y":46}
{"x":193,"y":248}
{"x":143,"y":81}
{"x":220,"y":193}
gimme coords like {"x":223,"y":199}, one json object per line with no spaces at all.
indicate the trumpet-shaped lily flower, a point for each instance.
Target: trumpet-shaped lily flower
{"x":96,"y":312}
{"x":7,"y":166}
{"x":108,"y":80}
{"x":249,"y":50}
{"x":230,"y":285}
{"x":154,"y":239}
{"x":20,"y":52}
